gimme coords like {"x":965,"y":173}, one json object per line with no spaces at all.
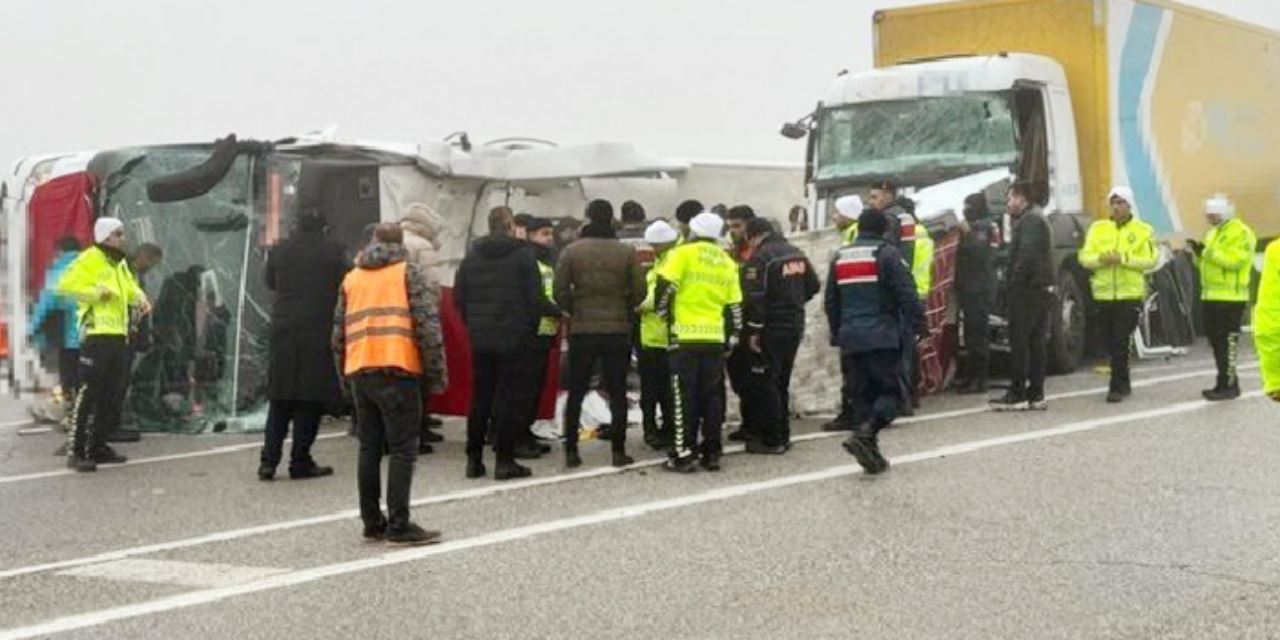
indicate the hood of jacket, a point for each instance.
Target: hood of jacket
{"x":423,"y":222}
{"x":494,"y":247}
{"x":378,"y":255}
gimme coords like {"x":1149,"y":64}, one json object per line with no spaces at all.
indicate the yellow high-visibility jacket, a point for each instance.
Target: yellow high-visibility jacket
{"x":1135,"y":242}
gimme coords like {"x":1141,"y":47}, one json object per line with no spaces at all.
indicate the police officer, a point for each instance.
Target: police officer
{"x":1226,"y":267}
{"x":1266,"y":321}
{"x":699,"y":294}
{"x":848,"y":208}
{"x":531,"y":381}
{"x":1119,"y":251}
{"x":777,"y":282}
{"x":976,"y":286}
{"x":655,"y":372}
{"x":869,"y":296}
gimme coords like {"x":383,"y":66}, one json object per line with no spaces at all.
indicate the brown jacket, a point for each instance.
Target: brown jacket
{"x":599,"y":282}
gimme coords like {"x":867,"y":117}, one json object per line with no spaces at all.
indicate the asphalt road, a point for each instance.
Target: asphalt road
{"x":1155,"y":518}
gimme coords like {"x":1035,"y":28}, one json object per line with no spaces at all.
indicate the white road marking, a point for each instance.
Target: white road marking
{"x":133,"y":462}
{"x":486,"y":491}
{"x":16,"y":423}
{"x":304,"y":576}
{"x":188,"y":574}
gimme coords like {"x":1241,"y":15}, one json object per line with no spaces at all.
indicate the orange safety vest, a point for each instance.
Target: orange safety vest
{"x":378,"y":323}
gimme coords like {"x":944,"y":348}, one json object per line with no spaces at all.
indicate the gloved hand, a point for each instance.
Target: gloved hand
{"x":922,"y":333}
{"x":1195,"y":247}
{"x":732,"y":342}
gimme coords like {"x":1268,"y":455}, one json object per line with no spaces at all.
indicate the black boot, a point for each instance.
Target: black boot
{"x":1225,"y":393}
{"x":571,"y":458}
{"x":475,"y":466}
{"x":866,"y":450}
{"x":510,"y":470}
{"x":621,"y":459}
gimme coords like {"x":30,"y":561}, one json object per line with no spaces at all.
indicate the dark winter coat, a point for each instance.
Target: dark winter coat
{"x":975,"y":258}
{"x":776,"y":283}
{"x":498,"y":291}
{"x":600,"y":283}
{"x":870,"y":294}
{"x":1030,"y":252}
{"x":305,"y":271}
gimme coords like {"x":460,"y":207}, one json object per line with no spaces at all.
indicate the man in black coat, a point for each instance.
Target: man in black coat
{"x":777,"y":281}
{"x":498,"y":291}
{"x":305,"y":271}
{"x":1030,"y":301}
{"x":976,"y":287}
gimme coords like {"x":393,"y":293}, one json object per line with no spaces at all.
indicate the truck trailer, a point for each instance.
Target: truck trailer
{"x":1071,"y":96}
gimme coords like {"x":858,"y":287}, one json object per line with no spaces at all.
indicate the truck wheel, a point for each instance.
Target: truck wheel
{"x":1067,"y":326}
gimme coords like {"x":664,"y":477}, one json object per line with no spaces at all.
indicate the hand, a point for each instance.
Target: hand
{"x":1274,"y":395}
{"x":732,"y":343}
{"x":754,"y":343}
{"x":144,"y":307}
{"x":923,"y":334}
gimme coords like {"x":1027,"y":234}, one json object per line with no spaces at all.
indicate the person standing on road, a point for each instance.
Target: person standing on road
{"x":599,"y":284}
{"x":976,"y":287}
{"x":422,"y":225}
{"x":869,"y":297}
{"x":1266,"y":321}
{"x":739,"y":361}
{"x":655,"y":372}
{"x":305,"y":271}
{"x":685,"y":213}
{"x":387,"y":344}
{"x":498,"y":292}
{"x":532,"y":379}
{"x":848,"y":209}
{"x":776,"y":283}
{"x":845,"y":218}
{"x":1119,"y":251}
{"x":54,"y":325}
{"x":699,"y":294}
{"x":883,"y":197}
{"x":1226,"y":269}
{"x":1030,"y":300}
{"x":105,"y":290}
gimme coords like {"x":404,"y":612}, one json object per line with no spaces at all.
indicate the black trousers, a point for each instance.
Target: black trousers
{"x":848,"y":410}
{"x":613,"y":352}
{"x":69,"y":372}
{"x":388,"y":418}
{"x":495,"y":391}
{"x":655,"y":392}
{"x":976,"y":307}
{"x":738,"y":365}
{"x":769,"y":391}
{"x":1029,"y":310}
{"x":1117,"y":320}
{"x":697,"y":386}
{"x":876,"y":385}
{"x":104,"y":379}
{"x":305,"y":417}
{"x":1222,"y":324}
{"x":908,"y":376}
{"x":529,"y":383}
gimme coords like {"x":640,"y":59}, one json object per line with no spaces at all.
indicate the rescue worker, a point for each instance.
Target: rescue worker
{"x":387,"y":344}
{"x":845,"y":218}
{"x":1030,"y":297}
{"x":1119,"y":251}
{"x":1226,"y":268}
{"x":305,"y":271}
{"x":540,"y":234}
{"x":776,"y":283}
{"x":599,"y":284}
{"x":105,"y":290}
{"x":1266,"y":321}
{"x":869,"y":297}
{"x":498,"y":292}
{"x":652,"y":358}
{"x":699,"y":294}
{"x":975,"y":288}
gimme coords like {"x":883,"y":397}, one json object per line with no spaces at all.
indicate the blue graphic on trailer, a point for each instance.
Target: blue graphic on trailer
{"x":1135,"y":66}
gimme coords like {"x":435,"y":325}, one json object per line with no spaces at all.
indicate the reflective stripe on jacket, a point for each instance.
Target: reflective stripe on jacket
{"x":1134,"y":241}
{"x":706,"y":282}
{"x":549,"y":325}
{"x":922,"y":265}
{"x":378,"y":324}
{"x":92,"y":275}
{"x":653,"y":328}
{"x":1266,"y":319}
{"x":1226,"y":263}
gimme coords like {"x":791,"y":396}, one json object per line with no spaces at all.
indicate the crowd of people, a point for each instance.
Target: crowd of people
{"x":708,"y":298}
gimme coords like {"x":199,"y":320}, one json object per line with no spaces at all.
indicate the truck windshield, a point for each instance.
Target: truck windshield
{"x":900,"y":137}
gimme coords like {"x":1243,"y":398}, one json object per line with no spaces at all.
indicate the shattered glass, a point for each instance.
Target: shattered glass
{"x":899,"y":137}
{"x":190,"y":373}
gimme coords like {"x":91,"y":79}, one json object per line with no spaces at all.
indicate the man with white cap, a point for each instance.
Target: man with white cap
{"x":1226,"y":268}
{"x":848,"y":208}
{"x":1119,"y":250}
{"x":100,"y":281}
{"x":699,"y":294}
{"x":655,"y":373}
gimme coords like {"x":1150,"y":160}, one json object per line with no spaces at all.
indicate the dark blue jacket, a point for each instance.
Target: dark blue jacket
{"x":870,"y":293}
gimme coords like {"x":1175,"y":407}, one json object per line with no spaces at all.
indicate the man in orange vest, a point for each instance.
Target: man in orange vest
{"x":387,"y":344}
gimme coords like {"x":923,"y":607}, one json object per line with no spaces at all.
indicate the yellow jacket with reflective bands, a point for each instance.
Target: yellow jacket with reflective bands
{"x":1266,"y":319}
{"x":103,"y":288}
{"x":706,"y":281}
{"x":1134,"y":241}
{"x":1226,"y":263}
{"x":922,"y":266}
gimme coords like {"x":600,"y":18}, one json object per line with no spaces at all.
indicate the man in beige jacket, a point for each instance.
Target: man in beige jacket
{"x":422,"y":226}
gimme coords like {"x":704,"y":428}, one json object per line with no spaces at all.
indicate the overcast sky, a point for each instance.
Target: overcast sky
{"x":689,"y":78}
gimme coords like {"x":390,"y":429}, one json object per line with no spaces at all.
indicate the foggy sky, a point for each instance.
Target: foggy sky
{"x":682,"y":78}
